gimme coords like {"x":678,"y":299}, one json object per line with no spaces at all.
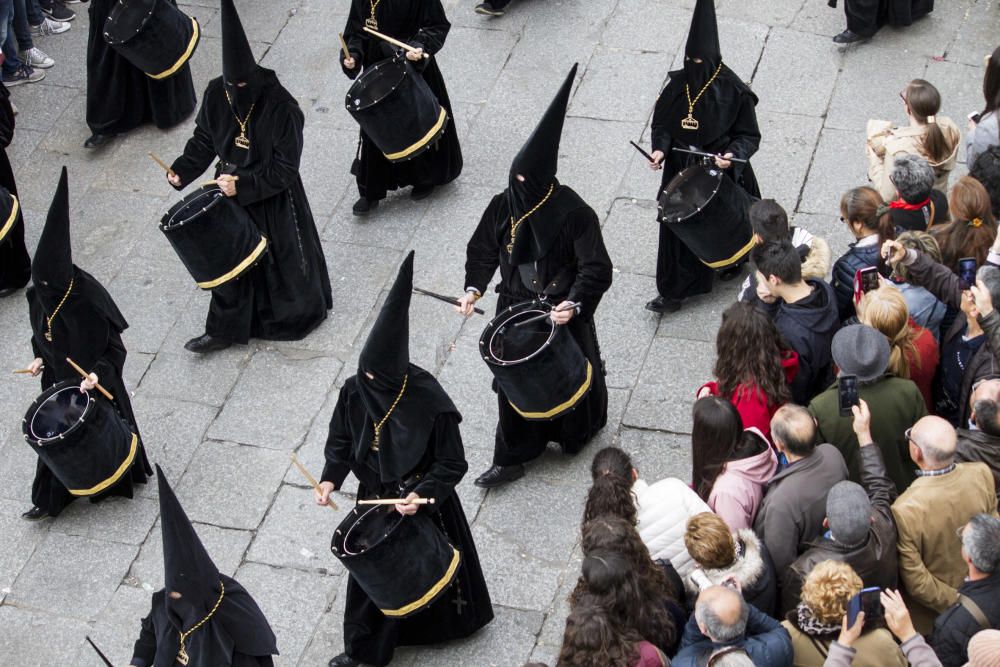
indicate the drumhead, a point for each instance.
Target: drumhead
{"x":508,"y":345}
{"x":689,"y":192}
{"x":127,"y":19}
{"x":58,"y":414}
{"x":376,"y":84}
{"x":371,"y":527}
{"x":192,"y":207}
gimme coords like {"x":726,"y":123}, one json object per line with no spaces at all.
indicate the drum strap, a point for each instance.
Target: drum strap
{"x":557,"y":286}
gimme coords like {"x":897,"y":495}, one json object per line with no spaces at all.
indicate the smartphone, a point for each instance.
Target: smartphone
{"x":967,"y":272}
{"x":847,"y":394}
{"x":868,"y":601}
{"x":868,"y":277}
{"x":974,"y":117}
{"x":700,"y":579}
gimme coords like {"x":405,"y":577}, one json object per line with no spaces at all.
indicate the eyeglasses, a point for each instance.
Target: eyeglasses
{"x":907,"y":434}
{"x":960,"y":531}
{"x":902,"y":96}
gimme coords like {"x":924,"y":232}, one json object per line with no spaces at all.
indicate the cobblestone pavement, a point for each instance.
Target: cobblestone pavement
{"x":222,"y":426}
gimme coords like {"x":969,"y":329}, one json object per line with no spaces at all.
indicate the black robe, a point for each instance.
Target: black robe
{"x":88,"y":330}
{"x":865,"y":17}
{"x":120,"y":97}
{"x":369,"y":635}
{"x":728,"y":124}
{"x":578,"y":248}
{"x":158,"y":630}
{"x":422,"y":24}
{"x":15,"y":264}
{"x":287,"y":294}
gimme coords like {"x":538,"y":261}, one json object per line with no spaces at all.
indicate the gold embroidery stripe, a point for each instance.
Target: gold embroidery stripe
{"x":240,"y":268}
{"x":184,"y":56}
{"x":126,"y":464}
{"x":14,"y":208}
{"x":442,"y":119}
{"x":432,"y":593}
{"x":735,"y":258}
{"x":562,"y":407}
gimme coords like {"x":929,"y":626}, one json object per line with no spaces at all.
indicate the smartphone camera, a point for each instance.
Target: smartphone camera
{"x":967,"y":272}
{"x":847,"y":394}
{"x":869,"y":279}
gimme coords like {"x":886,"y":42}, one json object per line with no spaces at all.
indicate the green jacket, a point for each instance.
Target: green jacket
{"x":896,"y":404}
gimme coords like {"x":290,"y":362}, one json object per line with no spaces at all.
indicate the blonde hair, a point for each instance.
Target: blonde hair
{"x":709,"y":541}
{"x":828,"y":588}
{"x":885,"y":311}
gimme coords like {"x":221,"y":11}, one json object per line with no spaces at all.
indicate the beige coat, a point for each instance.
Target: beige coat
{"x":876,"y":648}
{"x":928,"y":515}
{"x":887,"y":142}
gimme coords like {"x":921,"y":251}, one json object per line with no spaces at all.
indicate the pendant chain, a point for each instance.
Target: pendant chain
{"x":241,"y":141}
{"x":378,"y":426}
{"x":690,"y":123}
{"x":182,"y":656}
{"x":48,"y":320}
{"x":514,"y":225}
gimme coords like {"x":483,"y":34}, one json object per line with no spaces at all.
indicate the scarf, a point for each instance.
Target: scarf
{"x":899,"y":204}
{"x":811,"y":625}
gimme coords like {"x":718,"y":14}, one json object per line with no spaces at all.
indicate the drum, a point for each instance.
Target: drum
{"x":214,"y":236}
{"x":396,"y":108}
{"x":539,"y":366}
{"x":153,"y":35}
{"x":710,"y":214}
{"x":403,"y":563}
{"x":10,"y":212}
{"x":84,"y":441}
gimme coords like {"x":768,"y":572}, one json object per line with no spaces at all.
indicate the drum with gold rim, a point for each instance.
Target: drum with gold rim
{"x":80,"y":437}
{"x":153,"y":35}
{"x":10,"y":212}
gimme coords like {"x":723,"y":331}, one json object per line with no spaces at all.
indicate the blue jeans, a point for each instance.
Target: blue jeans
{"x":11,"y":62}
{"x":26,"y":14}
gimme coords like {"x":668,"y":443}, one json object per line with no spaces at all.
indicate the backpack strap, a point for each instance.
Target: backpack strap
{"x":974,"y":610}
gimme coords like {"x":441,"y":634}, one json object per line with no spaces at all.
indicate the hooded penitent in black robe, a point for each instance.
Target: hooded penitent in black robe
{"x":120,"y":97}
{"x":87,"y":329}
{"x":235,"y":634}
{"x":15,"y":264}
{"x":562,"y":242}
{"x":865,"y":17}
{"x":287,"y":294}
{"x":727,"y":123}
{"x":422,"y":24}
{"x":420,"y":451}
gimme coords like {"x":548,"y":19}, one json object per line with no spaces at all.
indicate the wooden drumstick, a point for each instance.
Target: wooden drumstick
{"x":163,"y":165}
{"x":397,"y":501}
{"x":568,"y":306}
{"x":23,"y":371}
{"x":343,"y":45}
{"x":86,"y":376}
{"x":207,"y":183}
{"x":394,"y":42}
{"x":310,"y":479}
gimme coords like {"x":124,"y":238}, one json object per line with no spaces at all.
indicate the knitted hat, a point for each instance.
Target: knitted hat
{"x":984,"y":649}
{"x":849,"y":512}
{"x":862,"y":351}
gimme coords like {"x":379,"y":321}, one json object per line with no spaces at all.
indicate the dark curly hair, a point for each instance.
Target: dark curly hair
{"x":749,"y":352}
{"x":593,"y":638}
{"x":611,"y":492}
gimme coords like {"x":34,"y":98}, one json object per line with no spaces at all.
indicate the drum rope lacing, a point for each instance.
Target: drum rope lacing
{"x":378,"y":426}
{"x":48,"y":320}
{"x":515,"y":225}
{"x":241,"y":141}
{"x":182,"y":656}
{"x":690,"y":123}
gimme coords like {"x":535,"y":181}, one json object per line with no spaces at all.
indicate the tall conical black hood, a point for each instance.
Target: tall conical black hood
{"x":703,"y":37}
{"x":538,"y":159}
{"x":238,"y":62}
{"x":52,"y":269}
{"x":386,"y":353}
{"x":187,"y":567}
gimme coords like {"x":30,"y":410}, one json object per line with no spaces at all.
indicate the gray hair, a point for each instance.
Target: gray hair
{"x":981,"y":541}
{"x":716,"y":629}
{"x":732,"y":657}
{"x":913,"y":178}
{"x":990,"y":275}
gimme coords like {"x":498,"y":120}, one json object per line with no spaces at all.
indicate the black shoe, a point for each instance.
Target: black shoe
{"x":421,"y":192}
{"x":207,"y":343}
{"x":488,"y":9}
{"x":732,"y":272}
{"x":35,"y":514}
{"x":56,"y":10}
{"x":499,"y":475}
{"x":344,"y":660}
{"x":848,"y":37}
{"x":363,"y":206}
{"x":98,"y":140}
{"x":661,"y":305}
{"x":8,"y":291}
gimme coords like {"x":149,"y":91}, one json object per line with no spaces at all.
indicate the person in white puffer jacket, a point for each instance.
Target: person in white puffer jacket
{"x":660,"y":511}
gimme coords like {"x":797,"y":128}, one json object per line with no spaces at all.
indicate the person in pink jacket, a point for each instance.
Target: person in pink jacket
{"x":730,"y":464}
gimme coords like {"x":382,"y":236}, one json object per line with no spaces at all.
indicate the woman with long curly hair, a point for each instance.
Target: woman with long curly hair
{"x":913,"y":351}
{"x":659,"y":511}
{"x":658,"y":618}
{"x":729,"y":465}
{"x":972,"y":228}
{"x":753,"y":366}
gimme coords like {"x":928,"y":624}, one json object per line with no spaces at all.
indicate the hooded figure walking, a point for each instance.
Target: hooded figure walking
{"x":120,"y":96}
{"x":866,"y":17}
{"x":15,"y":263}
{"x":708,"y":108}
{"x":541,"y":232}
{"x":254,"y":126}
{"x":397,"y":430}
{"x":201,"y":617}
{"x":421,"y":24}
{"x":73,"y":316}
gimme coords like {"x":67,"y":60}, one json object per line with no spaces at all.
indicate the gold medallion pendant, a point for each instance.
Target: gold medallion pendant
{"x":689,"y":123}
{"x":242,"y":142}
{"x":182,"y":657}
{"x":371,"y":23}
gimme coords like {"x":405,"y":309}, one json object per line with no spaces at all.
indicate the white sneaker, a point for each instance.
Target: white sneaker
{"x":49,"y":27}
{"x":37,"y":58}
